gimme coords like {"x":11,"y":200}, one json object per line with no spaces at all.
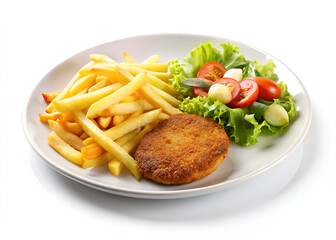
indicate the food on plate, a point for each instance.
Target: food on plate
{"x":182,"y":149}
{"x":178,"y":116}
{"x":254,"y":87}
{"x":105,"y":110}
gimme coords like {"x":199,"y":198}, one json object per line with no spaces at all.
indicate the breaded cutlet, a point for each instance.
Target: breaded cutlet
{"x":182,"y":149}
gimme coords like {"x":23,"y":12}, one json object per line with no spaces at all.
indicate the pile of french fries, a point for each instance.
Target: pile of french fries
{"x":105,"y":110}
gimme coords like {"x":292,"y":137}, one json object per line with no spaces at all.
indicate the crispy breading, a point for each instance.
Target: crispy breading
{"x":182,"y":149}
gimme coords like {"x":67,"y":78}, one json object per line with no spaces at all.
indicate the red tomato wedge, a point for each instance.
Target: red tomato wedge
{"x":248,"y":94}
{"x":232,"y":84}
{"x":210,"y":72}
{"x":268,"y":90}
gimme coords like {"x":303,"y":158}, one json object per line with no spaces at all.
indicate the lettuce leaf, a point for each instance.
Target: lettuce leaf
{"x":286,"y":100}
{"x":254,"y":69}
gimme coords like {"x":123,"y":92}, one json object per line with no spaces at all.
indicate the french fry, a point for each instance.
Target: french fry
{"x":170,"y":99}
{"x":72,"y":127}
{"x":104,"y":69}
{"x":83,"y":83}
{"x":163,"y":116}
{"x":85,"y":90}
{"x":83,"y":101}
{"x":101,"y":78}
{"x":127,"y":137}
{"x":66,"y":117}
{"x":99,"y":85}
{"x":107,"y":143}
{"x":92,"y":151}
{"x":136,"y":70}
{"x":117,"y":96}
{"x":132,"y":123}
{"x":128,"y":59}
{"x":103,"y":122}
{"x":126,"y":108}
{"x":135,"y":114}
{"x":84,"y":136}
{"x":48,"y":97}
{"x":65,"y":149}
{"x":130,"y":98}
{"x":88,"y":141}
{"x":154,"y":67}
{"x":102,"y":159}
{"x":66,"y":91}
{"x":115,"y":167}
{"x":152,"y":59}
{"x":156,"y":82}
{"x":44,"y":117}
{"x":70,"y":138}
{"x":101,"y":58}
{"x":117,"y":119}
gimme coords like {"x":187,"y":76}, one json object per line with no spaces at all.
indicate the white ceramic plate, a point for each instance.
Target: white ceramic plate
{"x":241,"y":164}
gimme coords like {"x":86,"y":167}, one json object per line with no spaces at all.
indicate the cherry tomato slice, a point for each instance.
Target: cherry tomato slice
{"x":268,"y":90}
{"x":248,"y":94}
{"x":232,"y":84}
{"x":210,"y":72}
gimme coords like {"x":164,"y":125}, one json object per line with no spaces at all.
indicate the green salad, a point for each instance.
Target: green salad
{"x":256,"y":101}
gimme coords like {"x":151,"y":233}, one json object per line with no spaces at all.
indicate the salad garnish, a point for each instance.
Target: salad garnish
{"x":241,"y":95}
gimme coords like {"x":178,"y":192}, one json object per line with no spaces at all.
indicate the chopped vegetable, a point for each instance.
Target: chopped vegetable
{"x":256,"y":97}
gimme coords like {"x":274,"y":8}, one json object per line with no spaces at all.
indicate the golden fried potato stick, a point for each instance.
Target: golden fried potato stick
{"x":128,"y":59}
{"x":65,"y":149}
{"x":126,"y":108}
{"x":82,"y":101}
{"x":156,"y":82}
{"x":169,"y":98}
{"x":104,"y":122}
{"x":101,"y":58}
{"x":152,"y":59}
{"x":83,"y":83}
{"x":48,"y":97}
{"x":164,"y":76}
{"x":107,"y":143}
{"x":44,"y":117}
{"x":117,"y":96}
{"x":70,"y":138}
{"x":72,"y":127}
{"x":99,"y":85}
{"x":154,"y":67}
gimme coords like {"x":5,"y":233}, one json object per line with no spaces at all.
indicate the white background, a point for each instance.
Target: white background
{"x":38,"y":203}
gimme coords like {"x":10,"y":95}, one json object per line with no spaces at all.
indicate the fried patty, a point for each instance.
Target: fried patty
{"x":182,"y":149}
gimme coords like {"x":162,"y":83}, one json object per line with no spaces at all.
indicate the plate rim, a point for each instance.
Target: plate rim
{"x":165,"y":194}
